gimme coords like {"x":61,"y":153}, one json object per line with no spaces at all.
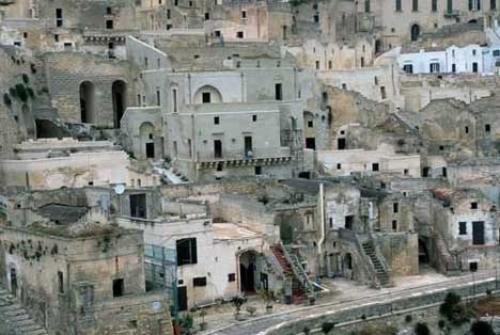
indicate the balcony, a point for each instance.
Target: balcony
{"x":256,"y":156}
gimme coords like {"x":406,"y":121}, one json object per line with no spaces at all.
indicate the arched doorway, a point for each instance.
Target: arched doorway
{"x":247,"y":262}
{"x":119,"y":93}
{"x":146,"y":131}
{"x":208,"y":95}
{"x":28,"y":121}
{"x":87,"y":102}
{"x":415,"y":32}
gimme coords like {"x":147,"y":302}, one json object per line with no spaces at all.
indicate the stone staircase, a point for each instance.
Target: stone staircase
{"x":292,"y":268}
{"x":14,"y":319}
{"x":380,"y":271}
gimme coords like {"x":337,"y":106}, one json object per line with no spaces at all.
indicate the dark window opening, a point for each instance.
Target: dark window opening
{"x":395,"y":207}
{"x":254,"y":118}
{"x":473,"y":205}
{"x":248,"y":146}
{"x":311,"y":143}
{"x":199,"y":281}
{"x":217,"y":148}
{"x":186,"y":251}
{"x":138,"y":205}
{"x":425,"y":171}
{"x":258,"y":170}
{"x":473,"y":266}
{"x":239,"y":34}
{"x":59,"y":17}
{"x":118,"y":288}
{"x":206,"y":97}
{"x":231,"y":277}
{"x":375,"y":167}
{"x":475,"y":67}
{"x":278,"y":91}
{"x":341,"y":144}
{"x":349,"y":221}
{"x":109,"y":24}
{"x":462,"y":228}
{"x":487,"y":128}
{"x":60,"y":282}
{"x":444,"y":172}
{"x":394,"y":225}
{"x":216,"y":120}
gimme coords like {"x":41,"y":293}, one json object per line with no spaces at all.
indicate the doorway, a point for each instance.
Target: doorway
{"x":119,"y":94}
{"x":13,"y":282}
{"x":478,"y":232}
{"x":248,"y":146}
{"x":247,"y":271}
{"x":415,"y":32}
{"x":150,"y":150}
{"x":311,"y":143}
{"x":182,"y":298}
{"x":217,"y":149}
{"x":341,"y":144}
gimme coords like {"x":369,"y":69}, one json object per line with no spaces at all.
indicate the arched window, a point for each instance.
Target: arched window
{"x":207,"y":95}
{"x":87,"y":102}
{"x":415,"y":32}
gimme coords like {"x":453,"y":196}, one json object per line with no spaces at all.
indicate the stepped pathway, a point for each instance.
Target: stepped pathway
{"x":14,"y":319}
{"x":297,"y":288}
{"x":380,"y":272}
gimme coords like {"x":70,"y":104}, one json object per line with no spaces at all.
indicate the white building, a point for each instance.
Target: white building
{"x":469,"y":59}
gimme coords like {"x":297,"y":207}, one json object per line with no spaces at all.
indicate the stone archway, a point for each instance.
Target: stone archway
{"x":247,"y":262}
{"x":119,"y":95}
{"x":415,"y":32}
{"x":87,"y":102}
{"x":208,"y":95}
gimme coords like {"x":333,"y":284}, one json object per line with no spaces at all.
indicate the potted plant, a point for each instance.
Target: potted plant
{"x":203,"y":324}
{"x":237,"y":302}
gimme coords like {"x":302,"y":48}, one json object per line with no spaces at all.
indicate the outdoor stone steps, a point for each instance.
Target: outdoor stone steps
{"x":16,"y":318}
{"x":380,"y":272}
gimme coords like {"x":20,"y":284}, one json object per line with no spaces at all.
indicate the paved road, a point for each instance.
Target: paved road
{"x":261,"y":324}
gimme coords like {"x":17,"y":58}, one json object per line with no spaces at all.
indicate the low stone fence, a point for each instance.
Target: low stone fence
{"x":347,"y":316}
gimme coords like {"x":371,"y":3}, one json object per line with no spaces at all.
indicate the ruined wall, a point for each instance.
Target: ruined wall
{"x":67,"y":71}
{"x":400,"y":251}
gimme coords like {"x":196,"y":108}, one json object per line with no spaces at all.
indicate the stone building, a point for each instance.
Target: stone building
{"x":73,"y":271}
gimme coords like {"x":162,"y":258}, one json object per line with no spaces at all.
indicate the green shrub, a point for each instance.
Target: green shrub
{"x":7,"y":100}
{"x":31,"y":93}
{"x":408,"y":318}
{"x":481,"y":328}
{"x":26,"y":79}
{"x":453,"y":310}
{"x":326,"y":327}
{"x":422,"y":329}
{"x":21,"y":92}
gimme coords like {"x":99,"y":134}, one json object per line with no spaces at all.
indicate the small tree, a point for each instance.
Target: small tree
{"x":453,"y":310}
{"x":326,"y":327}
{"x":481,"y":328}
{"x":422,"y":329}
{"x":6,"y":100}
{"x":237,"y":302}
{"x":186,"y":323}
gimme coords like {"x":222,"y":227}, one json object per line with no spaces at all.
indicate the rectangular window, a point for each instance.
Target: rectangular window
{"x":254,"y":118}
{"x":59,"y":17}
{"x":317,"y":65}
{"x":375,"y":167}
{"x":398,"y":6}
{"x":206,"y":97}
{"x":493,"y":4}
{"x":367,"y":6}
{"x":109,"y":24}
{"x":239,"y":34}
{"x":174,"y":99}
{"x":349,"y":221}
{"x":60,"y":282}
{"x":258,"y":170}
{"x":395,"y":207}
{"x":199,"y":281}
{"x":449,"y":6}
{"x":243,"y":14}
{"x":434,"y":6}
{"x":462,"y":228}
{"x":118,"y":288}
{"x":190,"y":150}
{"x":278,"y":91}
{"x":408,"y":68}
{"x":473,"y":205}
{"x":158,"y":98}
{"x":487,"y":128}
{"x":394,"y":225}
{"x":414,"y":5}
{"x":434,"y":67}
{"x":138,"y":205}
{"x":186,"y":251}
{"x":231,"y":277}
{"x":216,"y":120}
{"x":175,"y":148}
